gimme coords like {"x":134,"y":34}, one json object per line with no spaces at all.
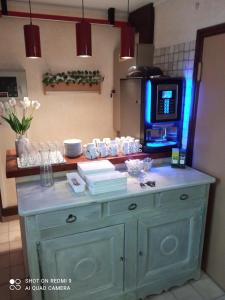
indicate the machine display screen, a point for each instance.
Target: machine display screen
{"x":167,"y":94}
{"x":167,"y":102}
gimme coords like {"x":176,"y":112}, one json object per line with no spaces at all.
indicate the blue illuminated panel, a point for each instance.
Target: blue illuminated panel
{"x":161,"y":144}
{"x":167,"y":94}
{"x":187,"y":110}
{"x":148,"y":100}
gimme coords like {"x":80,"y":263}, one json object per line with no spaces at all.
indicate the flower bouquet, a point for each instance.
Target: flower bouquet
{"x":19,"y":115}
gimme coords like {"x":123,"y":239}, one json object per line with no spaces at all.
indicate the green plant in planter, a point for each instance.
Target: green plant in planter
{"x":75,"y":76}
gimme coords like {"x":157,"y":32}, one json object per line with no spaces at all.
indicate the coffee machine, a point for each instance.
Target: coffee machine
{"x":151,"y":110}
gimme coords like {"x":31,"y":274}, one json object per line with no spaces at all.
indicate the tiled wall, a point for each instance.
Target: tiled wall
{"x":176,"y":60}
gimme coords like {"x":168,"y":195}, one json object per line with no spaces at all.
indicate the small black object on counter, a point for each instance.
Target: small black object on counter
{"x":148,"y":183}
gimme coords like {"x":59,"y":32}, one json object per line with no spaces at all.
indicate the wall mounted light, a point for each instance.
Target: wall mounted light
{"x":32,"y":39}
{"x":127,"y":39}
{"x":83,"y":37}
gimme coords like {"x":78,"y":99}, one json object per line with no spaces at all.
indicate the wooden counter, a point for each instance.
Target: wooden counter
{"x":13,"y":171}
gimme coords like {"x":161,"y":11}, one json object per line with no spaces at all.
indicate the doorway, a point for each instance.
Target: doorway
{"x":207,"y":140}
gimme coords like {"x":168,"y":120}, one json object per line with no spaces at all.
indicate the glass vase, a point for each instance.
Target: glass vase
{"x":21,"y":142}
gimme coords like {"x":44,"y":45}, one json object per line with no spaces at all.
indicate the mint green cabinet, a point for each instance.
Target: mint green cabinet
{"x":112,"y":252}
{"x":92,"y":263}
{"x":168,"y":243}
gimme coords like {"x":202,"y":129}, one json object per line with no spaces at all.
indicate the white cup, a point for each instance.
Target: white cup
{"x":132,"y":147}
{"x":126,"y":148}
{"x":130,"y":139}
{"x":90,"y":151}
{"x":113,"y":148}
{"x":103,"y":149}
{"x":96,"y":141}
{"x":107,"y":141}
{"x":138,"y":146}
{"x":90,"y":146}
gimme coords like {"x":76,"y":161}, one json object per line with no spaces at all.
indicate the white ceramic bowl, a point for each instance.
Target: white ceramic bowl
{"x":73,"y":147}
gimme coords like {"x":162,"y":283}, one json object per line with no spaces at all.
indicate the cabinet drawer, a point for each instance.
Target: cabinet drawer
{"x":130,"y":204}
{"x":69,"y":216}
{"x":181,"y":195}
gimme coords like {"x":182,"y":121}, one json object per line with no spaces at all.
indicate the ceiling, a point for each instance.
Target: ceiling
{"x":120,"y":5}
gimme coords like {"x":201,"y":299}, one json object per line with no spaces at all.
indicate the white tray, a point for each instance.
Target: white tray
{"x":74,"y":178}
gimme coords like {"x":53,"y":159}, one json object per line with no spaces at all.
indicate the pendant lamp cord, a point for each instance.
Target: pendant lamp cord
{"x":30,"y":13}
{"x":128,"y":9}
{"x":82,"y":9}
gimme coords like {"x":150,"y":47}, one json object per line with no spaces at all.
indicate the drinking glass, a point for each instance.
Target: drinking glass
{"x":46,"y":174}
{"x":60,"y":151}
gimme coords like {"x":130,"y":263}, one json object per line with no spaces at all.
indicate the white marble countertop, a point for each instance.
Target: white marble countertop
{"x":34,"y":199}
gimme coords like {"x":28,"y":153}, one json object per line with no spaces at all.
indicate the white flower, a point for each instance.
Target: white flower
{"x":12,"y":102}
{"x":35,"y":104}
{"x":25,"y":103}
{"x":26,"y":99}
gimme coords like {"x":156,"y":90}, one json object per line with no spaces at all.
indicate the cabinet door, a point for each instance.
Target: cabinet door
{"x":168,"y":243}
{"x":92,"y":260}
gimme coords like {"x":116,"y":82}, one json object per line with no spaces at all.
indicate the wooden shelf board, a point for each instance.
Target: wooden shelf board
{"x":72,"y":87}
{"x":12,"y":170}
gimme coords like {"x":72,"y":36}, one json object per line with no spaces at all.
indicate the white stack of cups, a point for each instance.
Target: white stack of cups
{"x":107,"y":147}
{"x":130,"y":145}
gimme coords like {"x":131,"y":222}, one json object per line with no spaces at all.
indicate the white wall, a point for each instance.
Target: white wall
{"x":62,"y":115}
{"x":80,"y":114}
{"x":176,"y":21}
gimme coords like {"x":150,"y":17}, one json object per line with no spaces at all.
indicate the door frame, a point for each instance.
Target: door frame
{"x":201,"y":35}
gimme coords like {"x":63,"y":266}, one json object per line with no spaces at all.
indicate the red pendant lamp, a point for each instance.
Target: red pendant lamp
{"x":32,"y":39}
{"x":127,"y":40}
{"x":83,"y":37}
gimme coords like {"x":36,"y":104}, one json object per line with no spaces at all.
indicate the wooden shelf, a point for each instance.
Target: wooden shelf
{"x":70,"y":164}
{"x":72,"y":87}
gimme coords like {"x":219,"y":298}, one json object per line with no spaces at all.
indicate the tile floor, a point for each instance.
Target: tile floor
{"x":11,"y":260}
{"x":203,"y":289}
{"x":12,"y":266}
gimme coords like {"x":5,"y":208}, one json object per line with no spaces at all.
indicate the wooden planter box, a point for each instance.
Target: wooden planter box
{"x":73,"y":87}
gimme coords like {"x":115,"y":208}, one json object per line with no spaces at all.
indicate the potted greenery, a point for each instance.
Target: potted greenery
{"x":76,"y":80}
{"x":19,"y":115}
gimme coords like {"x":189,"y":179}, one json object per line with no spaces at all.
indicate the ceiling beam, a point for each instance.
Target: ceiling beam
{"x":20,"y":14}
